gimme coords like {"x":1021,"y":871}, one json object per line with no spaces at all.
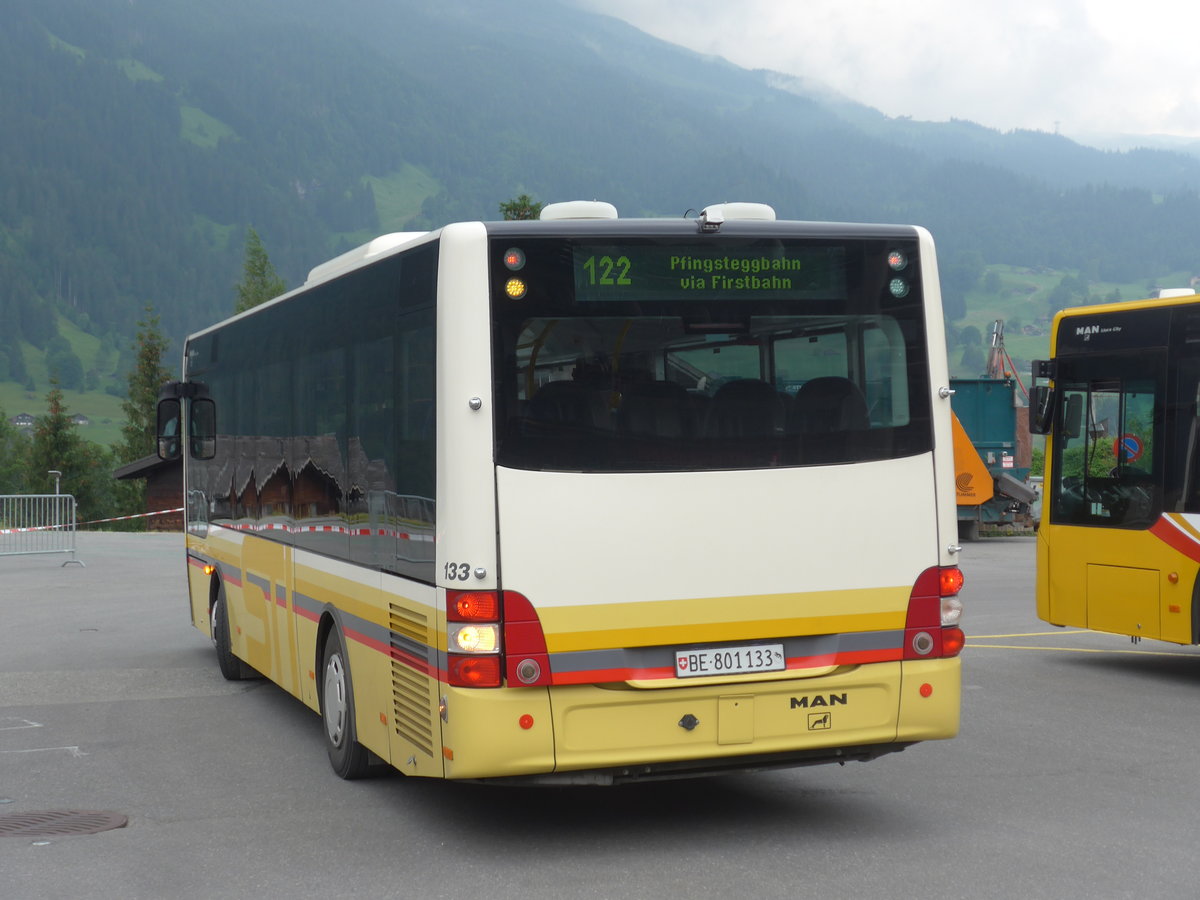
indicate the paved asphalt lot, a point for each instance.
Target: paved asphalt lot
{"x":1076,"y":774}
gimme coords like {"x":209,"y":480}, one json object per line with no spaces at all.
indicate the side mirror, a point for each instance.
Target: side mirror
{"x":203,"y":428}
{"x":1041,"y":409}
{"x":169,"y":411}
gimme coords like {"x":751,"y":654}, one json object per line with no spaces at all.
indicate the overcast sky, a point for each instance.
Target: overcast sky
{"x":1078,"y":66}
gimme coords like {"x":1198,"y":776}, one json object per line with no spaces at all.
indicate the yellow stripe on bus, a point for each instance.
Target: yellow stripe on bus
{"x":708,"y":619}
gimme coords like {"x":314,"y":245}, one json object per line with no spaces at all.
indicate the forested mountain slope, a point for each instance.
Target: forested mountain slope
{"x":141,"y":139}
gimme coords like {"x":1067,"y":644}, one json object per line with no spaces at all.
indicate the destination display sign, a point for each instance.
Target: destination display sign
{"x":648,"y":272}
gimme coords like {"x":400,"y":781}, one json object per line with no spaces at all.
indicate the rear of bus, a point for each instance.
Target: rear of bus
{"x":695,"y":481}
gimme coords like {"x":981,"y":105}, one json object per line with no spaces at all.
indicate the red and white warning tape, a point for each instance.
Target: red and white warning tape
{"x":160,"y":512}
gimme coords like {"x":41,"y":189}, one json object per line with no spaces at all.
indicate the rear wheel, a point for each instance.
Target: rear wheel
{"x":349,"y":758}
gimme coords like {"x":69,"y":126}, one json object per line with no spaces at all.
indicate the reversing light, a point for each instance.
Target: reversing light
{"x":514,"y":259}
{"x":952,"y":610}
{"x":897,"y":260}
{"x":515,"y":288}
{"x":898,"y":288}
{"x":475,"y":638}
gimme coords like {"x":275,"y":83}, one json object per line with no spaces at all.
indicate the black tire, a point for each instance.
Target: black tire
{"x":347,"y":756}
{"x":231,"y":667}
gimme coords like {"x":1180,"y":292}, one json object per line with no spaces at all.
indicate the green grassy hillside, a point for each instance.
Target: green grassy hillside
{"x":1026,"y":300}
{"x":101,"y":404}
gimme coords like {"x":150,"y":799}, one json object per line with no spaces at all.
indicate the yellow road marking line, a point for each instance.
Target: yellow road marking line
{"x":996,"y":637}
{"x":1075,"y":650}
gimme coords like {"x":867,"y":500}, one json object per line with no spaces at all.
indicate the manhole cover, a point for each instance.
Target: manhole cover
{"x":59,"y":823}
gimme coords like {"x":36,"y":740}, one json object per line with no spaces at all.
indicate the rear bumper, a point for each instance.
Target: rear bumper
{"x":602,"y":734}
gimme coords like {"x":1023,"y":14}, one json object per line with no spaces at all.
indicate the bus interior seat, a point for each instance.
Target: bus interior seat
{"x":745,"y":408}
{"x":570,"y":404}
{"x":827,"y":404}
{"x":656,"y":408}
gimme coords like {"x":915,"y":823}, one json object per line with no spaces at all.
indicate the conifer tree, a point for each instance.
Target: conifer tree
{"x":138,"y":434}
{"x":260,"y":282}
{"x":522,"y":207}
{"x":86,"y":467}
{"x":14,"y":453}
{"x":141,"y":402}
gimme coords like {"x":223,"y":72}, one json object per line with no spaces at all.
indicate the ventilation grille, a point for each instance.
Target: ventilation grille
{"x":412,"y":698}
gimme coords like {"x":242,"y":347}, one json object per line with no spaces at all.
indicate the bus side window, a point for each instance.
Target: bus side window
{"x":1188,"y":429}
{"x":1073,"y":416}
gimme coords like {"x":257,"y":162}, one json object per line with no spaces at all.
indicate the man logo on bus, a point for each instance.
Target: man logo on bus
{"x":819,"y":700}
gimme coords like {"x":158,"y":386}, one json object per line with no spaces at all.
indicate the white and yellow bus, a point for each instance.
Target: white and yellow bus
{"x":587,"y":499}
{"x":1119,"y":544}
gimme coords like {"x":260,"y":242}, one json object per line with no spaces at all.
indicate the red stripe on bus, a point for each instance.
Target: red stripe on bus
{"x":353,"y":635}
{"x":858,"y":657}
{"x":845,"y":658}
{"x":600,"y":676}
{"x":1170,"y":535}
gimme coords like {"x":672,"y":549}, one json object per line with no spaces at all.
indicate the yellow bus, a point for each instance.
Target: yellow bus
{"x":1119,"y":544}
{"x":586,"y":499}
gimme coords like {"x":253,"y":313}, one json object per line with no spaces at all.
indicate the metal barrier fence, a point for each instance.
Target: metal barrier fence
{"x":37,"y":523}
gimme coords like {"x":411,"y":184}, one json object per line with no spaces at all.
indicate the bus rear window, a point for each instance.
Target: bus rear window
{"x":663,"y":380}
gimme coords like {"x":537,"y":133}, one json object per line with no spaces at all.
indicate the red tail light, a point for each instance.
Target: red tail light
{"x":494,"y":636}
{"x":950,"y":580}
{"x":472,"y":606}
{"x":474,"y":671}
{"x":930,"y":629}
{"x":527,"y":662}
{"x":953,"y":640}
{"x":473,"y":638}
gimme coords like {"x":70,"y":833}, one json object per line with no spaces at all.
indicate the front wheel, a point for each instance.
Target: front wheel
{"x":349,"y":758}
{"x":231,"y":667}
